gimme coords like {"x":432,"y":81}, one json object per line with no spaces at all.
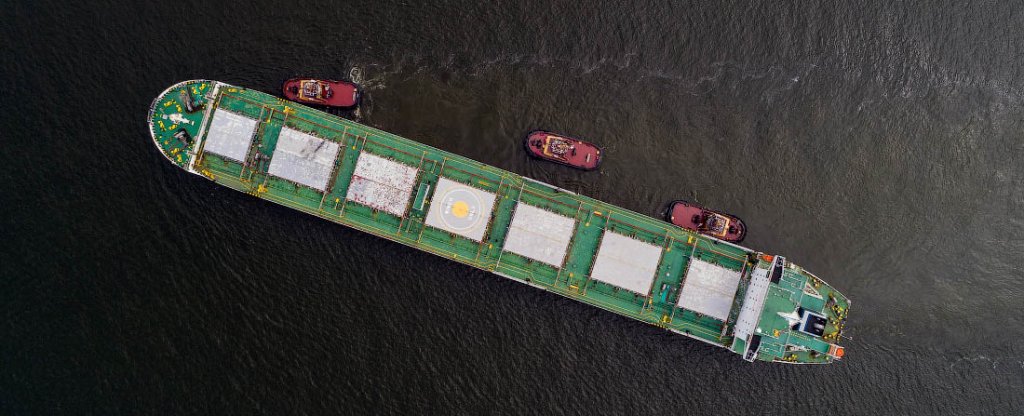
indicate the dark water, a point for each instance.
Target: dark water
{"x":879,"y":145}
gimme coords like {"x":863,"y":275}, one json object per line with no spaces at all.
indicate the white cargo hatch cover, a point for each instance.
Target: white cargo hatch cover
{"x":539,"y":234}
{"x":382,"y":184}
{"x":460,"y":209}
{"x":626,"y":262}
{"x":709,"y":289}
{"x":230,"y":135}
{"x":303,"y":158}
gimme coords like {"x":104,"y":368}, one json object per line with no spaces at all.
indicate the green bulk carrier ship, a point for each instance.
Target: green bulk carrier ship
{"x":759,"y":306}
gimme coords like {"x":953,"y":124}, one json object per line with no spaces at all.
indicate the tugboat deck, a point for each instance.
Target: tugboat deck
{"x":463,"y":210}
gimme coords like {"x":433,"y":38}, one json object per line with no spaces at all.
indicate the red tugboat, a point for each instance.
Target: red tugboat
{"x":693,"y":217}
{"x":339,"y":94}
{"x":566,"y":150}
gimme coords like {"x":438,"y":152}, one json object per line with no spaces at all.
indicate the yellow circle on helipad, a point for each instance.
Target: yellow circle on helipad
{"x":460,"y":209}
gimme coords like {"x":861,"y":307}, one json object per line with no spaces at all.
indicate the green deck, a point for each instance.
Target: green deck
{"x":571,"y":280}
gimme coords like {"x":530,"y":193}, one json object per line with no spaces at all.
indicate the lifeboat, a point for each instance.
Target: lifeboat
{"x":562,"y":149}
{"x":705,"y":221}
{"x":340,"y":94}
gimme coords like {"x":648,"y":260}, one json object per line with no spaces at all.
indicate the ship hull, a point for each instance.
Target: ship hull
{"x":344,"y":94}
{"x":432,"y":176}
{"x":583,"y":155}
{"x":692,"y":217}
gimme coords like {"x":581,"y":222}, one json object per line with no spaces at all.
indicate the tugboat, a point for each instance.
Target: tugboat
{"x":341,"y":94}
{"x":562,"y":149}
{"x":716,"y":224}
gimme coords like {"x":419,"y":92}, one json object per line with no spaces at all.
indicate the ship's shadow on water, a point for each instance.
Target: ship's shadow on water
{"x":877,"y":145}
